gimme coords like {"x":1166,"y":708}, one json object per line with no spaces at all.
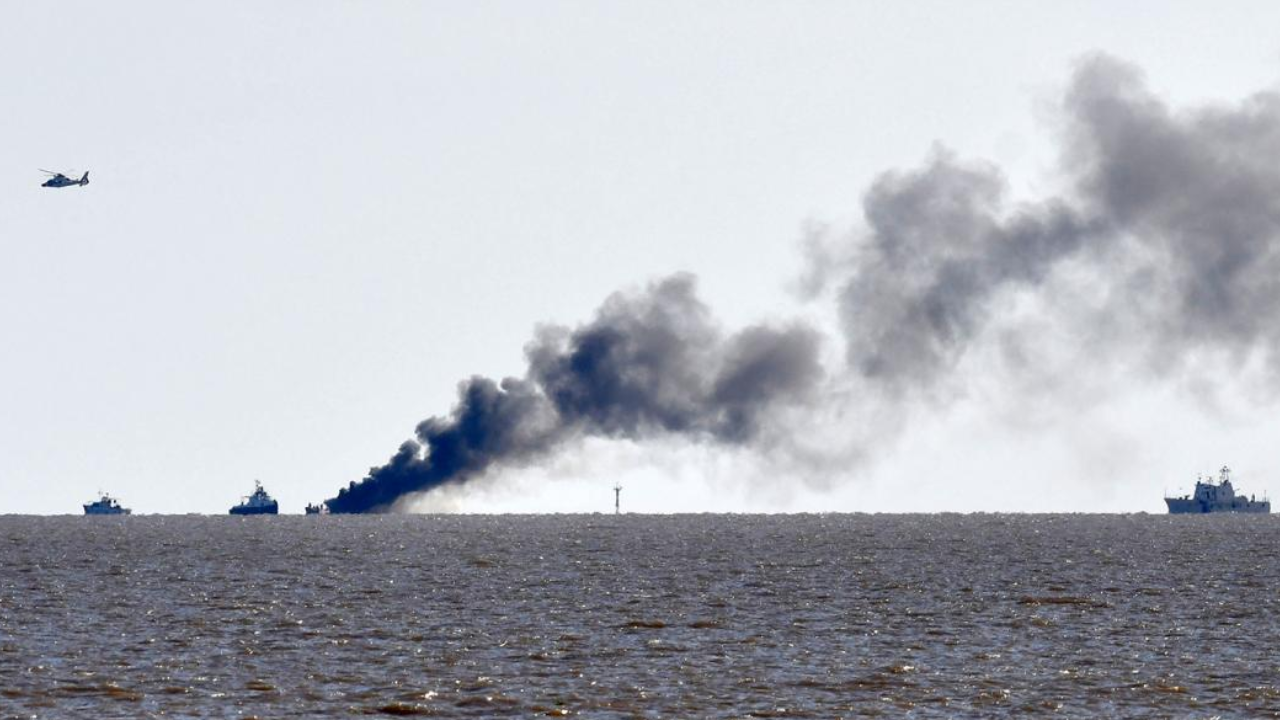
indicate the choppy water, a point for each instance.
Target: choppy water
{"x":639,"y":616}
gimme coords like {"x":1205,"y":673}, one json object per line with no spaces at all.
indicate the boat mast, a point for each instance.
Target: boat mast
{"x":617,"y":499}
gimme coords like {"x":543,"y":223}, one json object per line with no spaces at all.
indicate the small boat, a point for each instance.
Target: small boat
{"x":106,"y":505}
{"x":259,"y":503}
{"x":321,"y":509}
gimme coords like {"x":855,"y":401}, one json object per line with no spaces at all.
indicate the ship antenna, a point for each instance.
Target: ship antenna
{"x":617,"y":498}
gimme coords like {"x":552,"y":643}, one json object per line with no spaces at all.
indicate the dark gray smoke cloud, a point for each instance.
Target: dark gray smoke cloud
{"x":941,"y":244}
{"x":1175,"y":215}
{"x":1197,"y":193}
{"x":649,"y":364}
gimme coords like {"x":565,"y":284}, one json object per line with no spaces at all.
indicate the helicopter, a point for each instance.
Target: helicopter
{"x":59,"y":180}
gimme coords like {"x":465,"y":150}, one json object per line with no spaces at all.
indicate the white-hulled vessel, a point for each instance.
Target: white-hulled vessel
{"x":105,"y":505}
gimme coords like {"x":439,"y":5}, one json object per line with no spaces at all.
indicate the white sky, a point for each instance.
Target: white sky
{"x":308,"y":220}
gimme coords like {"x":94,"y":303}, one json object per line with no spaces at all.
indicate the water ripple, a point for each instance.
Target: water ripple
{"x":639,"y":616}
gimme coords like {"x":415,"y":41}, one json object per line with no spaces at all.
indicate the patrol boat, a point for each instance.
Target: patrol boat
{"x":106,"y":505}
{"x":259,"y":503}
{"x":1220,"y":498}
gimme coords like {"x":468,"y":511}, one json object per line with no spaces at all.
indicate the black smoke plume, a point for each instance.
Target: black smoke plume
{"x":648,"y":364}
{"x":1174,"y":216}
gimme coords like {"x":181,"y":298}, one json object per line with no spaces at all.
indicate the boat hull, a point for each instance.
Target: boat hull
{"x":272,"y":509}
{"x":1191,"y":506}
{"x":89,"y":510}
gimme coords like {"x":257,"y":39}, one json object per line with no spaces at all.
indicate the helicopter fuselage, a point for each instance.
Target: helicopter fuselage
{"x":61,"y":180}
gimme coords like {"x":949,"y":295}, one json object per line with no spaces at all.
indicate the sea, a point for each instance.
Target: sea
{"x":640,"y":616}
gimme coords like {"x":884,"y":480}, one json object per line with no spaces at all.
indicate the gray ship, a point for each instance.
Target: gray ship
{"x":1220,"y":498}
{"x":259,"y":503}
{"x":106,"y":505}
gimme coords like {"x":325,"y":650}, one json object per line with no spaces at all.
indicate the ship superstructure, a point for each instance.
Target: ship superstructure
{"x":259,"y":503}
{"x":1211,"y":498}
{"x":105,"y":505}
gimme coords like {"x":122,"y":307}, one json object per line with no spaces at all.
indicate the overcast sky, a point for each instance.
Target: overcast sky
{"x":308,"y":221}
